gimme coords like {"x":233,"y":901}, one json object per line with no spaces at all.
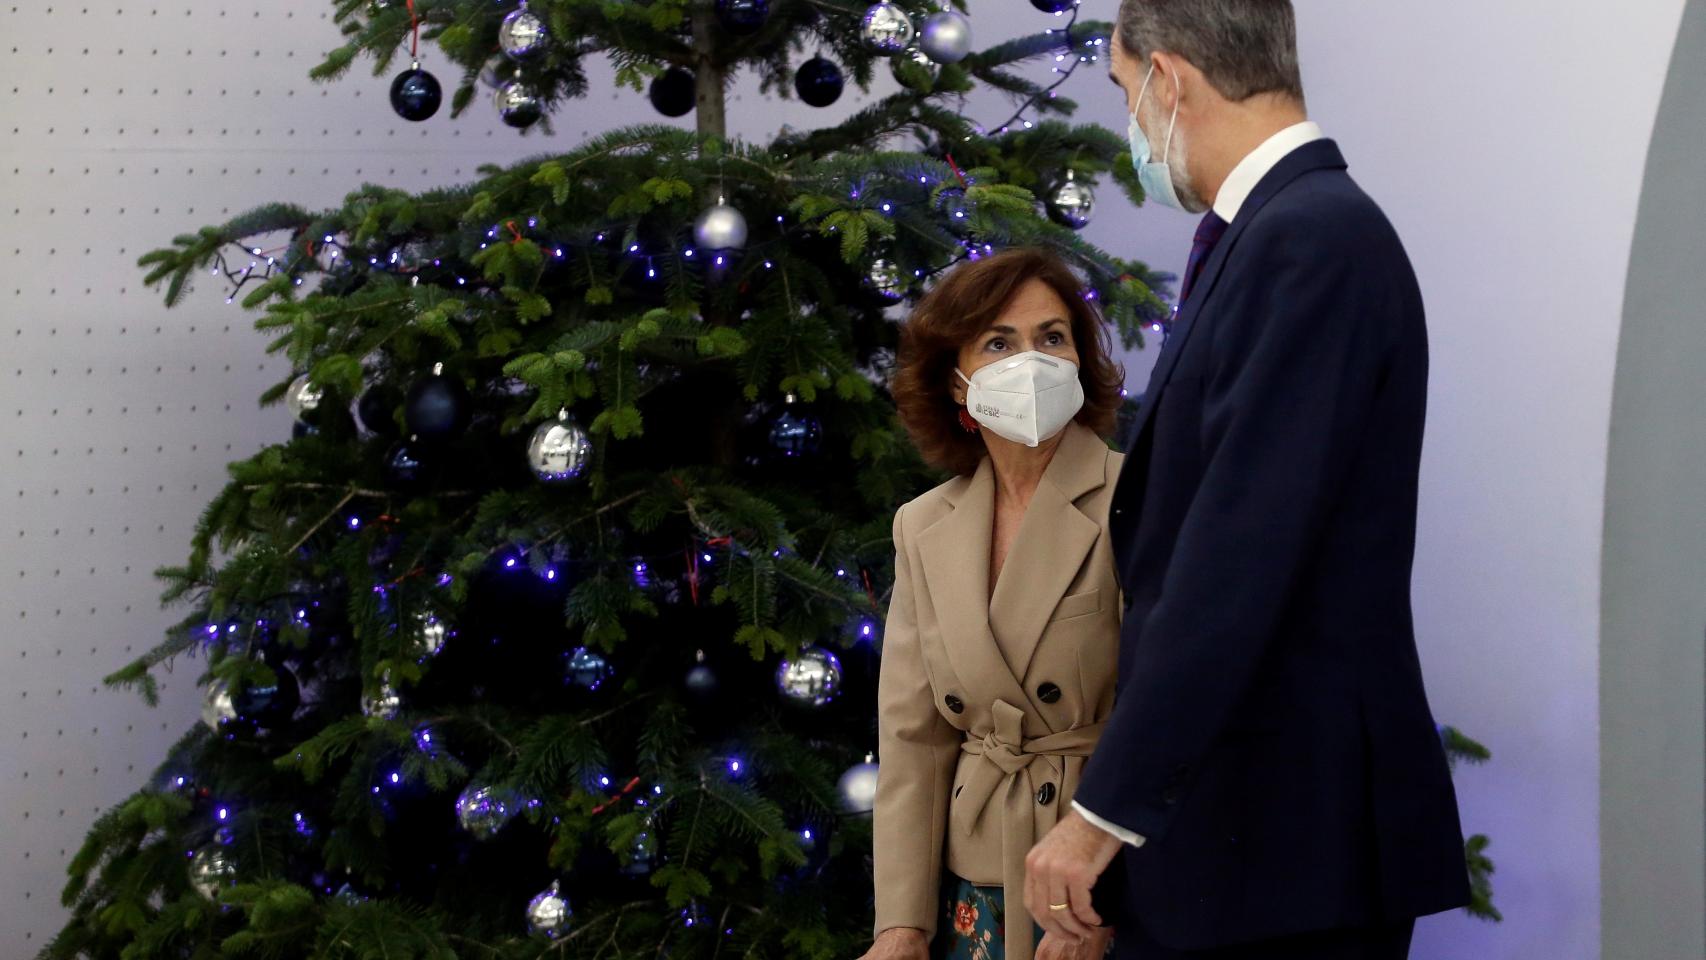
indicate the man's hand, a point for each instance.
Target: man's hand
{"x":899,"y":943}
{"x":1061,"y":869}
{"x":1095,"y":948}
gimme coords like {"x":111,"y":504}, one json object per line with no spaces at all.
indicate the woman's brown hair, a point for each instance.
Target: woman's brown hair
{"x":961,"y":306}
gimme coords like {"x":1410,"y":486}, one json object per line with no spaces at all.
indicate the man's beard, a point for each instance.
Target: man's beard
{"x":1178,"y":159}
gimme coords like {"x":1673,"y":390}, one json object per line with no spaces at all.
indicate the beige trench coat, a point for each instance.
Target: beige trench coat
{"x":989,"y":705}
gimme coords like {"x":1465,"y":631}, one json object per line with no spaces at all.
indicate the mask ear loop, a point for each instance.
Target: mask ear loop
{"x":1178,"y":94}
{"x":1143,"y":90}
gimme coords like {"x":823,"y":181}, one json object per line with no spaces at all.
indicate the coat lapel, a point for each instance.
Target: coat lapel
{"x":1319,"y":155}
{"x":1045,"y":558}
{"x":955,"y":555}
{"x":1048,"y":552}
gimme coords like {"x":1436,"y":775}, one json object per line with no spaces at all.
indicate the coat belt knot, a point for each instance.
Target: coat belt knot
{"x":1008,"y":757}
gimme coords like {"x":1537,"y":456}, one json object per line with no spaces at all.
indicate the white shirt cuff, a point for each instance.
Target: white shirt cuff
{"x":1125,"y":836}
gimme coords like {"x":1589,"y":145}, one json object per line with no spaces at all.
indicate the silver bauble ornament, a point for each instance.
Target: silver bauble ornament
{"x":1073,"y":203}
{"x":720,"y":227}
{"x":522,"y":34}
{"x":349,"y":896}
{"x":212,"y":870}
{"x":886,"y":29}
{"x":217,"y":705}
{"x":385,"y":704}
{"x":912,"y":65}
{"x":497,"y":71}
{"x":427,"y":633}
{"x":548,"y":914}
{"x":811,"y":679}
{"x":518,"y":104}
{"x":483,"y":810}
{"x":642,"y":856}
{"x":946,"y":36}
{"x":587,"y":668}
{"x":559,"y":451}
{"x":303,"y":398}
{"x":884,"y":277}
{"x":858,"y":787}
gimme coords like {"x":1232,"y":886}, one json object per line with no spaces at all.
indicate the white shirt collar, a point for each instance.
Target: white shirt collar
{"x":1261,"y":161}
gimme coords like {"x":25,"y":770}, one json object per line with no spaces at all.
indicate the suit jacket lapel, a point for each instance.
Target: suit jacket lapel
{"x":1319,"y":155}
{"x":1050,"y":548}
{"x":955,"y":555}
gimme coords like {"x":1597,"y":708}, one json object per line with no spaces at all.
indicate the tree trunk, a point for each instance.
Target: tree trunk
{"x":709,"y":72}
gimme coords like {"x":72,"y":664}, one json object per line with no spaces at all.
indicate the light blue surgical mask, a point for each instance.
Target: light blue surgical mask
{"x":1156,"y":177}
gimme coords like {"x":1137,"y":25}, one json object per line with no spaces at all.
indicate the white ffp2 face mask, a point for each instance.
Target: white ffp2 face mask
{"x":1026,"y":398}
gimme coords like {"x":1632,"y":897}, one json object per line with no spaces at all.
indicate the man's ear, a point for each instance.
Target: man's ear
{"x":1167,"y":85}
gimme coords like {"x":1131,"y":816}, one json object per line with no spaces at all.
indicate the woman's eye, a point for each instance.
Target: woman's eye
{"x":1056,"y":339}
{"x":997,"y":344}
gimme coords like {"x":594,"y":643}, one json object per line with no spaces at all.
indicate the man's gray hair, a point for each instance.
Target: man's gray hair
{"x":1243,"y":47}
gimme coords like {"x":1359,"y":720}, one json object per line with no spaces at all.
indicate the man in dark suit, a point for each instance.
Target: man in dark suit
{"x":1271,"y":770}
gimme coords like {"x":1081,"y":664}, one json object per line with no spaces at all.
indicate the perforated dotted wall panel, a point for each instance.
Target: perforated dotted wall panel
{"x":122,"y":125}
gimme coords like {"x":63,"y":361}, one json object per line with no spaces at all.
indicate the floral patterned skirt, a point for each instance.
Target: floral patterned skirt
{"x":973,"y":924}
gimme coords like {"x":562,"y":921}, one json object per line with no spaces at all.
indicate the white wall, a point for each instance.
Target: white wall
{"x":1505,"y":138}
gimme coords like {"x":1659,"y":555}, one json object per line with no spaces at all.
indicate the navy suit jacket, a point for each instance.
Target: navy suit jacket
{"x":1271,"y":738}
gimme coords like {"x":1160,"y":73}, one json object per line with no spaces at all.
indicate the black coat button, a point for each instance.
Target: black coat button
{"x":1048,"y":693}
{"x":1175,"y":785}
{"x":954,"y":703}
{"x":1045,"y":796}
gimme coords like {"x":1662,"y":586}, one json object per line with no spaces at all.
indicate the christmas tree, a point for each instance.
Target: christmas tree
{"x":553,"y":630}
{"x":554,"y":627}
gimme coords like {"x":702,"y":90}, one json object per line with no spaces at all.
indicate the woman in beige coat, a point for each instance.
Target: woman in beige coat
{"x":1001,"y":646}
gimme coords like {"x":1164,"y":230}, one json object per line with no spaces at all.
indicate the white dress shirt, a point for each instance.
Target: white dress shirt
{"x":1240,"y":183}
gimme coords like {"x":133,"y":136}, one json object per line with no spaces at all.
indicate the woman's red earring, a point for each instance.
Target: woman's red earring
{"x":969,"y":423}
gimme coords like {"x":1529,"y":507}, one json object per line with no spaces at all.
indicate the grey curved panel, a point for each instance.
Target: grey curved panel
{"x":1653,"y":604}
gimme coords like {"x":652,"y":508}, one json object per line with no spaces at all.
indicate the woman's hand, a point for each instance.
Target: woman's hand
{"x":899,"y":943}
{"x":1058,"y":948}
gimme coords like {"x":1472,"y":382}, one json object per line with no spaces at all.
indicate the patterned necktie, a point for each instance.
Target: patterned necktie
{"x":1209,"y":233}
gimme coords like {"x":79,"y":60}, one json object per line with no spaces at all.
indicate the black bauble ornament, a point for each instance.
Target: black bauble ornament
{"x":438,"y":407}
{"x":375,"y":410}
{"x":415,"y":94}
{"x":674,"y":92}
{"x":701,"y":681}
{"x":271,"y":705}
{"x":405,"y":466}
{"x":743,"y":17}
{"x":819,"y":82}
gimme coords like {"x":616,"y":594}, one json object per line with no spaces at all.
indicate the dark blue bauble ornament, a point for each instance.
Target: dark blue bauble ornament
{"x":819,"y":82}
{"x":743,"y":17}
{"x":674,"y":92}
{"x":586,"y":668}
{"x":796,"y":433}
{"x":437,"y":408}
{"x":1053,"y":6}
{"x":415,"y":94}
